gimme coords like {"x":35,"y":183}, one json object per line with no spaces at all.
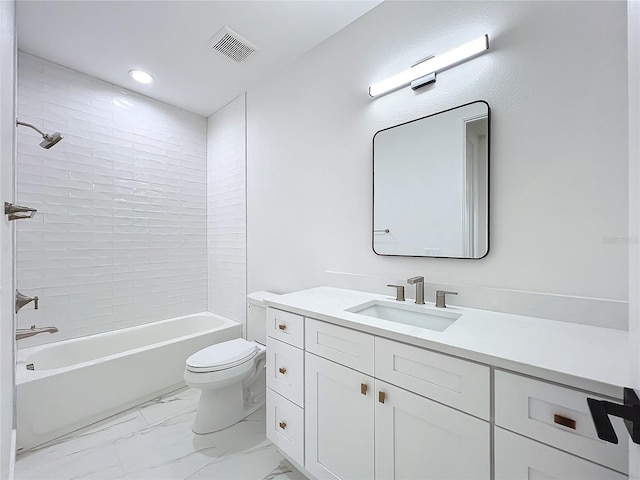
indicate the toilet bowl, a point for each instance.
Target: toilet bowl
{"x":231,"y":378}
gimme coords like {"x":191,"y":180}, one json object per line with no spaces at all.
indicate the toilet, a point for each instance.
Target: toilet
{"x":231,"y":375}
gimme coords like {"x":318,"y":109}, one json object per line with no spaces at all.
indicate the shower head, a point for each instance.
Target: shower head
{"x":49,"y":139}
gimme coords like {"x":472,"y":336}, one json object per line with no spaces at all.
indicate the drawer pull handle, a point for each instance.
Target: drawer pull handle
{"x":381,"y":396}
{"x":363,"y":388}
{"x":282,"y":425}
{"x":282,"y":327}
{"x":564,"y":421}
{"x":282,"y":370}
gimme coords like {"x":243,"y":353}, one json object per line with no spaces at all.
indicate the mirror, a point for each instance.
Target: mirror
{"x":431,"y":185}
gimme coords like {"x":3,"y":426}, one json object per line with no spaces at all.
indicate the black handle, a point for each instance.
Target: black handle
{"x":601,"y":420}
{"x":630,"y":412}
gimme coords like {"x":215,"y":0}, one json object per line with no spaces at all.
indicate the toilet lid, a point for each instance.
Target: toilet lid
{"x":222,"y":355}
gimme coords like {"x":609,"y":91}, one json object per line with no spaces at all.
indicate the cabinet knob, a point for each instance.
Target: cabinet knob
{"x":363,"y":388}
{"x":282,"y":370}
{"x":282,"y":425}
{"x":381,"y":396}
{"x":282,"y":327}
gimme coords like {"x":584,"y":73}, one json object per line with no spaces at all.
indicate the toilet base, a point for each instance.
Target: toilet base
{"x":222,"y":407}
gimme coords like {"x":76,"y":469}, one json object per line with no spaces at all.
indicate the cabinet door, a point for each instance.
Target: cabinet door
{"x":417,"y":438}
{"x":519,"y":458}
{"x":338,"y":420}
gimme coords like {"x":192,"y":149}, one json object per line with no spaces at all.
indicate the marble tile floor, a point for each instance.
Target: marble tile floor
{"x":155,"y":441}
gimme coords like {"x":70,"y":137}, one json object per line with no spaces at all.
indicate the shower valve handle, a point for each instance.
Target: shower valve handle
{"x":16,"y":212}
{"x":22,"y":300}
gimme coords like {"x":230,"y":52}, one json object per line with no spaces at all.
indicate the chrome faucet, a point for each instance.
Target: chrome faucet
{"x":399,"y":292}
{"x":22,"y":300}
{"x":440,"y":297}
{"x":30,"y":332}
{"x":419,"y":283}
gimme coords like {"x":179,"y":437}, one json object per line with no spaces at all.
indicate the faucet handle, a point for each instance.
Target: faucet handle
{"x":21,"y":300}
{"x":440,"y":297}
{"x":399,"y":292}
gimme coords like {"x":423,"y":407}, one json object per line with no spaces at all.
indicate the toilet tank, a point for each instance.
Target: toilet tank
{"x":257,"y":316}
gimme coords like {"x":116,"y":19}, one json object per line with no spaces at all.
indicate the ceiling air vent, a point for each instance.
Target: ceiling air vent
{"x":231,"y":45}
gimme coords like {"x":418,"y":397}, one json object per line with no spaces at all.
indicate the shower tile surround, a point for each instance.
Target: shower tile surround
{"x":226,"y":219}
{"x":120,"y":237}
{"x":154,"y":441}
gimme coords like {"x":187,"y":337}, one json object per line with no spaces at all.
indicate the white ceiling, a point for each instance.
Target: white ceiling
{"x":168,"y":39}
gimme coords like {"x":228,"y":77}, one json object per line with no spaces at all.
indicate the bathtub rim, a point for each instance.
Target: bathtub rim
{"x":25,"y":376}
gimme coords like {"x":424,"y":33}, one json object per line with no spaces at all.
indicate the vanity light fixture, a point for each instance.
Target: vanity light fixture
{"x":423,"y":73}
{"x":140,"y":76}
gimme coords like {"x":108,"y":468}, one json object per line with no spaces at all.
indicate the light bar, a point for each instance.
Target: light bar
{"x":432,"y":65}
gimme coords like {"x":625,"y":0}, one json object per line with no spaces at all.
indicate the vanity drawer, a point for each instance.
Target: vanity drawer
{"x":285,"y":426}
{"x":285,"y":326}
{"x":520,"y":458}
{"x":558,"y":416}
{"x":285,"y":370}
{"x":458,"y":383}
{"x":344,"y":346}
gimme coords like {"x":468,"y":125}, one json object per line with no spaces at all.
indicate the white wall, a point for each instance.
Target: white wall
{"x":7,"y":325}
{"x":633,"y":35}
{"x":555,"y":79}
{"x":120,"y":234}
{"x":226,"y":205}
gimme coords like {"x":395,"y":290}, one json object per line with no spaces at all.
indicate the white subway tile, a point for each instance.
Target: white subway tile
{"x":113,"y":197}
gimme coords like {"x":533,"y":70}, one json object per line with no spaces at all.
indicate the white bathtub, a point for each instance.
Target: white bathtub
{"x":81,"y":381}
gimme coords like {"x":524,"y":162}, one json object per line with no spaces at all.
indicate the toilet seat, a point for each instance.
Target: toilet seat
{"x":222,"y":356}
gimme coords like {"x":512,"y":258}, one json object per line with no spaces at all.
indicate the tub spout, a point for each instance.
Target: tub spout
{"x":30,"y":332}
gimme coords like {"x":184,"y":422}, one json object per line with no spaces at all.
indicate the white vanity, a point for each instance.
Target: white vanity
{"x":493,"y":395}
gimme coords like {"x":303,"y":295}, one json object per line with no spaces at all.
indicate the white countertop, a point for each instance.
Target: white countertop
{"x":591,"y":358}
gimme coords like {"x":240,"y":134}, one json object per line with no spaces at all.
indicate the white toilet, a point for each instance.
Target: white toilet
{"x":231,"y":375}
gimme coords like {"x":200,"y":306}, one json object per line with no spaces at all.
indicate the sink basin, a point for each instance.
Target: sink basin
{"x":408,"y":314}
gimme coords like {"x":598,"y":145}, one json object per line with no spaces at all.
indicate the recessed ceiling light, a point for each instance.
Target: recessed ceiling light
{"x":140,"y":76}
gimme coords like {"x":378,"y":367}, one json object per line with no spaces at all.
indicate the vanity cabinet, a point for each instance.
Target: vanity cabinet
{"x":347,"y":404}
{"x":359,"y":426}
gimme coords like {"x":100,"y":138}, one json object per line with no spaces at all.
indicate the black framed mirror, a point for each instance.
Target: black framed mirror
{"x":431,"y":185}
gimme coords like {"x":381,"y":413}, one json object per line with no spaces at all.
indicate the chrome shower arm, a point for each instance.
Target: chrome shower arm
{"x":18,"y":122}
{"x":49,"y":139}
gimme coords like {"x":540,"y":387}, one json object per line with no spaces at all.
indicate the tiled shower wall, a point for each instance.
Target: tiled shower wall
{"x":120,"y":234}
{"x":226,"y":236}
